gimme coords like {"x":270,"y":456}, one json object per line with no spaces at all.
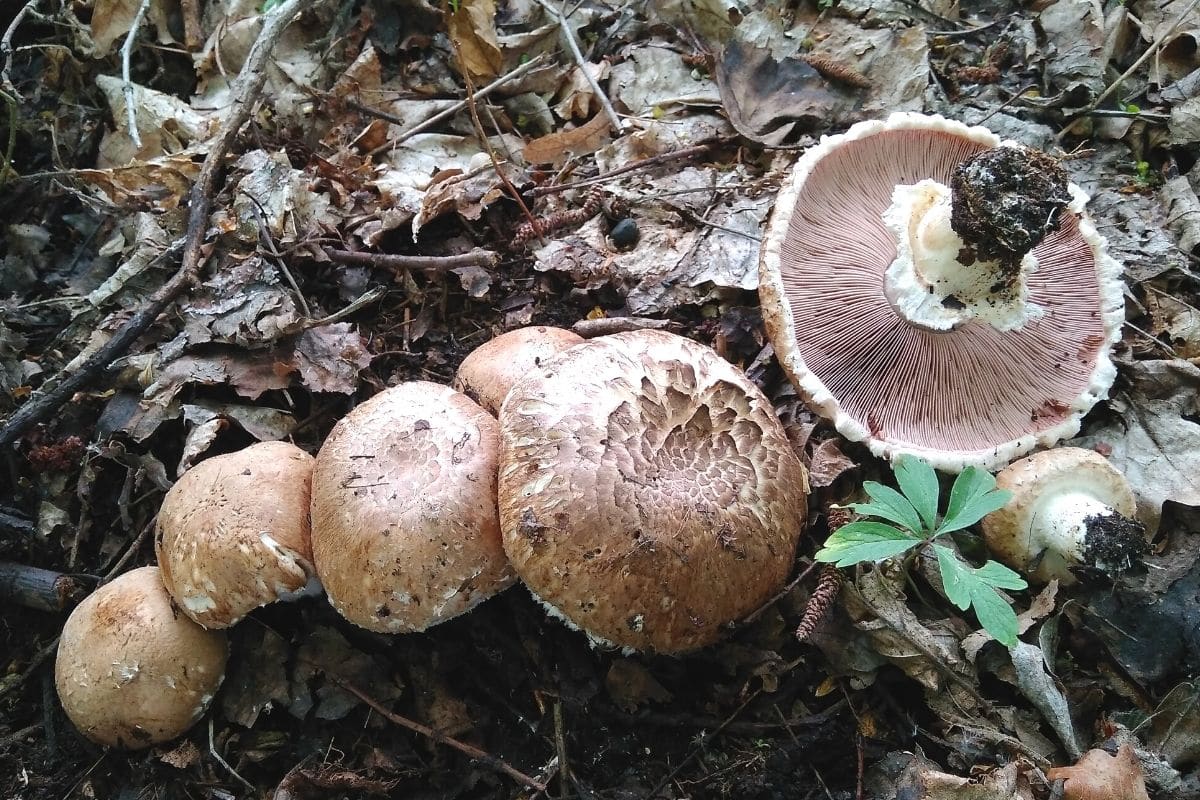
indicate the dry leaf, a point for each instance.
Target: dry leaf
{"x":828,"y":464}
{"x":329,"y":358}
{"x":558,"y":147}
{"x":1099,"y":776}
{"x":631,"y":686}
{"x":473,"y":29}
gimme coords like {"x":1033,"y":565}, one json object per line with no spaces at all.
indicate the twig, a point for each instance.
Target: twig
{"x":6,"y":167}
{"x":446,"y":113}
{"x":485,"y":758}
{"x":363,"y":300}
{"x":192,"y":38}
{"x":6,"y":50}
{"x":486,"y":143}
{"x":212,"y":751}
{"x":704,"y":739}
{"x":126,"y":83}
{"x":245,"y":91}
{"x":1146,"y":56}
{"x":38,"y":659}
{"x":16,"y":736}
{"x":569,"y":35}
{"x":1007,"y":103}
{"x":33,"y":587}
{"x":560,"y":743}
{"x":662,"y":158}
{"x":475,"y":258}
{"x":605,"y":326}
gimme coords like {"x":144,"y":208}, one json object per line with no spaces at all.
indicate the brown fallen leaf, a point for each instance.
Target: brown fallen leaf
{"x":631,"y":686}
{"x":558,"y":147}
{"x":473,"y":30}
{"x":828,"y":464}
{"x":1099,"y":776}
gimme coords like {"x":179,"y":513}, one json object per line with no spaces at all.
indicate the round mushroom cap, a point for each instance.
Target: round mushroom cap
{"x":1035,"y":482}
{"x":405,"y":530}
{"x":233,"y":533}
{"x":132,"y":671}
{"x":648,"y":493}
{"x":973,"y":395}
{"x":490,"y":370}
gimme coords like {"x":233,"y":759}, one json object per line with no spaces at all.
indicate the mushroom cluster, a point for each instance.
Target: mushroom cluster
{"x":639,"y":484}
{"x":934,"y":290}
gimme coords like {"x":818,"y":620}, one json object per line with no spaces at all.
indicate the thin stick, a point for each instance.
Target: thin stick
{"x":246,"y":89}
{"x":126,"y":83}
{"x":6,"y":49}
{"x":485,"y":758}
{"x":192,"y":38}
{"x":569,"y":35}
{"x":662,"y":158}
{"x":445,"y":114}
{"x":704,"y":740}
{"x":475,"y":258}
{"x":1146,"y":56}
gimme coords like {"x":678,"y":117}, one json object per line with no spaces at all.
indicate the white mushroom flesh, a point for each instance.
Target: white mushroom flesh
{"x":929,"y":286}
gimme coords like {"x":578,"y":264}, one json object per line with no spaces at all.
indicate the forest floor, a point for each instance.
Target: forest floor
{"x":272,"y":311}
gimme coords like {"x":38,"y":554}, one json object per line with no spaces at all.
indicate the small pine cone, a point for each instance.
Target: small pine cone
{"x":838,"y":516}
{"x":829,"y":583}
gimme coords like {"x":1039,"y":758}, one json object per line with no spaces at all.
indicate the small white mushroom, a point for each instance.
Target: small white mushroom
{"x":131,"y":671}
{"x":1070,"y":508}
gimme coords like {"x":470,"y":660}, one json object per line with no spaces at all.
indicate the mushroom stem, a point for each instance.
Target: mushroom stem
{"x":964,"y":252}
{"x":1075,"y":528}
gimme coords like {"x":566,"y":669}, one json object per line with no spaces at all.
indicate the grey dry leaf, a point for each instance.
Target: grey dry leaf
{"x":631,"y":686}
{"x":1040,"y":688}
{"x":329,"y":357}
{"x":1175,"y":726}
{"x":1155,"y":441}
{"x":1183,"y":209}
{"x":828,"y":464}
{"x":324,"y":659}
{"x":656,"y":78}
{"x":1075,"y":31}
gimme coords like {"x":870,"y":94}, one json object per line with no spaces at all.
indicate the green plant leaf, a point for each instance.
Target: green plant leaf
{"x":1000,"y":576}
{"x":976,"y":588}
{"x":865,"y":541}
{"x":887,"y":503}
{"x":919,"y":483}
{"x":973,"y":496}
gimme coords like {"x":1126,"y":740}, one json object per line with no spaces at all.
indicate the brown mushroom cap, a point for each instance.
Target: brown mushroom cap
{"x":405,"y":531}
{"x":490,"y":370}
{"x":1016,"y":534}
{"x":972,"y":395}
{"x":131,"y":671}
{"x":648,"y":493}
{"x":233,"y":533}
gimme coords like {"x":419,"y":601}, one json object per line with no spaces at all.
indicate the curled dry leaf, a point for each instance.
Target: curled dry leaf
{"x":473,"y":30}
{"x":1099,"y":776}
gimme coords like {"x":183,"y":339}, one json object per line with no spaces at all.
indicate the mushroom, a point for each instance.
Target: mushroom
{"x":648,"y":494}
{"x":233,"y":533}
{"x":490,"y":370}
{"x":405,"y":532}
{"x":933,"y":290}
{"x":1070,"y":508}
{"x":131,"y":671}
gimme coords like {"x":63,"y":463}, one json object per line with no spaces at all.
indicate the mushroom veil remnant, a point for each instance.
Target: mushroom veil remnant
{"x":933,"y":290}
{"x":405,"y":531}
{"x":648,"y":494}
{"x":132,"y":671}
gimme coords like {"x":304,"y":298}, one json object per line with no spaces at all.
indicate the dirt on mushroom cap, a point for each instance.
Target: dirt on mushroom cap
{"x":648,"y":493}
{"x":233,"y":532}
{"x":131,"y":671}
{"x":405,"y":532}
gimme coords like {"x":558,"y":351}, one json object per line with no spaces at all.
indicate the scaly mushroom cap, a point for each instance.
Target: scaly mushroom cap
{"x":1038,"y":481}
{"x":490,"y":370}
{"x":233,"y":534}
{"x":405,"y":532}
{"x":132,"y":671}
{"x":648,"y":493}
{"x":971,"y":395}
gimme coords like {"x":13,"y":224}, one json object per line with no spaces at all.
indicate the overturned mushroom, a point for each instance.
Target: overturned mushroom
{"x":405,"y":532}
{"x":648,"y":494}
{"x":233,"y":533}
{"x":131,"y":671}
{"x":1070,"y":508}
{"x":935,"y":291}
{"x":490,"y":370}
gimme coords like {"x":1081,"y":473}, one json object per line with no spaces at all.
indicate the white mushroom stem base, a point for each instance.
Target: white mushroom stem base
{"x":929,"y":286}
{"x":1077,"y":529}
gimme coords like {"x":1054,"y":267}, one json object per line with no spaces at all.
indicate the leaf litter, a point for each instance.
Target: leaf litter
{"x":404,"y":129}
